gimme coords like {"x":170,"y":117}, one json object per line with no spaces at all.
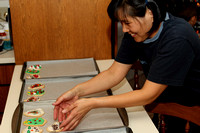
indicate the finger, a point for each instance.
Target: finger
{"x":71,"y":123}
{"x":74,"y":125}
{"x":67,"y":120}
{"x":55,"y":114}
{"x":64,"y":117}
{"x":60,"y":116}
{"x":68,"y":113}
{"x":58,"y":101}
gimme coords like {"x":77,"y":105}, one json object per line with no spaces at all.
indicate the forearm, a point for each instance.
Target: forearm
{"x":103,"y":81}
{"x":146,"y":95}
{"x":129,"y":99}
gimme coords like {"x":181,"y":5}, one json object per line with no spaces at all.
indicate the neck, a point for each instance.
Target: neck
{"x":155,"y":32}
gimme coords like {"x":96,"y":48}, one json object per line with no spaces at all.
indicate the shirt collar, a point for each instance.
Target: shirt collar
{"x":158,"y":33}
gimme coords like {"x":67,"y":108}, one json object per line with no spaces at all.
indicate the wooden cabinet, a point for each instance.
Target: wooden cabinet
{"x":60,"y":29}
{"x":6,"y":72}
{"x":3,"y":97}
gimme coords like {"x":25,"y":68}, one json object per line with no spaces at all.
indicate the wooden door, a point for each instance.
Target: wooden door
{"x":60,"y":29}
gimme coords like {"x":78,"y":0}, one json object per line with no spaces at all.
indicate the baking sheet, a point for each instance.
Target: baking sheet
{"x":100,"y":118}
{"x":123,"y":129}
{"x":64,"y":68}
{"x":54,"y":87}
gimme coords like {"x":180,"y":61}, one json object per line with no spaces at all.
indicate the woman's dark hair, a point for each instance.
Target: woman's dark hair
{"x":137,"y":8}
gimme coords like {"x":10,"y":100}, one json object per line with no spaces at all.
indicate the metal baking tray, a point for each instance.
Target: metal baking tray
{"x":96,"y":121}
{"x":63,"y":68}
{"x":54,"y":87}
{"x":123,"y":129}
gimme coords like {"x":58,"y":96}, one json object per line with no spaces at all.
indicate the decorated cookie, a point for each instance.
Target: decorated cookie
{"x":32,"y":99}
{"x":54,"y":127}
{"x":36,"y":86}
{"x":34,"y":67}
{"x":30,"y":129}
{"x":34,"y":76}
{"x":35,"y":122}
{"x":37,"y":92}
{"x":34,"y":113}
{"x":32,"y":71}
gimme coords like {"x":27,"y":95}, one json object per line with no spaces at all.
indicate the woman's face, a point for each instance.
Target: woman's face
{"x":138,"y":27}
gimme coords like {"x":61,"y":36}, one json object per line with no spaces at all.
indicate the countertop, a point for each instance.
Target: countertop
{"x":139,"y":120}
{"x":7,"y":57}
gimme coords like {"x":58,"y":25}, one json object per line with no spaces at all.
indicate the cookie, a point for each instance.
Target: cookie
{"x":30,"y":129}
{"x":35,"y":67}
{"x":37,"y":92}
{"x":36,"y":86}
{"x":32,"y":71}
{"x":54,"y":127}
{"x":34,"y":113}
{"x":32,"y":99}
{"x":33,"y":76}
{"x":35,"y":122}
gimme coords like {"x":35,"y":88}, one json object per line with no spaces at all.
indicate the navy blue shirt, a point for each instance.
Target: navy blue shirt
{"x":172,"y":57}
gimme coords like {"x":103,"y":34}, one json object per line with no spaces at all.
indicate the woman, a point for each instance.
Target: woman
{"x":168,"y":49}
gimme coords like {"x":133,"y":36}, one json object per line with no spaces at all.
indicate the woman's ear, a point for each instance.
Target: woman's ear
{"x":149,"y":14}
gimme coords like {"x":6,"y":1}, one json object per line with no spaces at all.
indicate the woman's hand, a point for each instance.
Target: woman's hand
{"x":76,"y":111}
{"x":62,"y":102}
{"x":70,"y":110}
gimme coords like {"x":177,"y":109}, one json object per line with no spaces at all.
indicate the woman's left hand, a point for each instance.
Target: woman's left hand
{"x":76,"y":112}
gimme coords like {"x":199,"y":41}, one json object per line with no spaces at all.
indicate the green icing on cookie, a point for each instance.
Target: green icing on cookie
{"x":32,"y":71}
{"x":35,"y":121}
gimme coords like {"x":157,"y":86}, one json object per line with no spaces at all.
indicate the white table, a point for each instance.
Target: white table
{"x":7,"y":57}
{"x":139,"y":121}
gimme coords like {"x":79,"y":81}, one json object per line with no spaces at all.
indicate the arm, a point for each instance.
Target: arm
{"x":79,"y":108}
{"x":147,"y":94}
{"x":105,"y":80}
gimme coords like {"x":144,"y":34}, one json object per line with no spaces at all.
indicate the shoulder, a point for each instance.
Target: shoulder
{"x":178,"y":27}
{"x":177,"y":32}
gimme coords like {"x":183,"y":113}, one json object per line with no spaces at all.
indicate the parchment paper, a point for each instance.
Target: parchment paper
{"x":96,"y":118}
{"x":65,"y":68}
{"x":54,"y":87}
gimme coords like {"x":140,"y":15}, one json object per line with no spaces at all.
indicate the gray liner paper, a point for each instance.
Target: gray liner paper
{"x":97,"y":118}
{"x":54,"y":87}
{"x":65,"y":68}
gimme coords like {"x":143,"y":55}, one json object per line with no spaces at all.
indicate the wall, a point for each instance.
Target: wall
{"x":3,"y":8}
{"x":4,"y":3}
